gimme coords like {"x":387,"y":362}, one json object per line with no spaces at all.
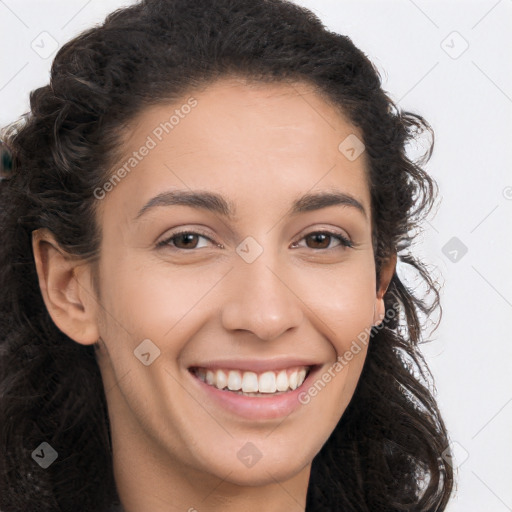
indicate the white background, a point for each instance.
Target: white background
{"x":467,"y":97}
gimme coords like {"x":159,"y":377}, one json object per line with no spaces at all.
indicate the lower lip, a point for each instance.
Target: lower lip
{"x":255,"y":407}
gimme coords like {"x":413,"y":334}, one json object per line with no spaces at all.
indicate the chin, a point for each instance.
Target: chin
{"x":265,"y":471}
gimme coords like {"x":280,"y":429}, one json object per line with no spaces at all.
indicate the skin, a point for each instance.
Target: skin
{"x":261,"y":146}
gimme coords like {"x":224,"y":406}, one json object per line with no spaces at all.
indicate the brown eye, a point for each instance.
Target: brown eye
{"x":322,"y":240}
{"x":184,"y":240}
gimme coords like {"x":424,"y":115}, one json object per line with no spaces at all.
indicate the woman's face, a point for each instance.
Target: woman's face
{"x":252,"y":295}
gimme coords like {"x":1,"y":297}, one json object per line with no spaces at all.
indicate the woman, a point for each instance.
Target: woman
{"x":201,"y":309}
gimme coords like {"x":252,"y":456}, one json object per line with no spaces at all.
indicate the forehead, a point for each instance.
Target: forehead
{"x":260,"y":140}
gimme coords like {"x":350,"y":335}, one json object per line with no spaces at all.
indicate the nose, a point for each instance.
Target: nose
{"x":260,"y":300}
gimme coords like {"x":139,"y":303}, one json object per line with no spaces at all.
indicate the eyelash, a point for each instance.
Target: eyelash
{"x":344,"y":242}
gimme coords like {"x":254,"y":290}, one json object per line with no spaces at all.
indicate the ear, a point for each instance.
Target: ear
{"x":386,"y":274}
{"x":66,"y":286}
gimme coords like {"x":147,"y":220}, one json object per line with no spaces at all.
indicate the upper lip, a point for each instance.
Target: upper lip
{"x":255,"y":365}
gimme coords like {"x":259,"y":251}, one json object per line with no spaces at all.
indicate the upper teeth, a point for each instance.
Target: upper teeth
{"x":250,"y":382}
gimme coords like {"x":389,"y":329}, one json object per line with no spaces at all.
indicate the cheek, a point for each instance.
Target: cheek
{"x":155,"y":301}
{"x":344,"y":302}
{"x":344,"y":311}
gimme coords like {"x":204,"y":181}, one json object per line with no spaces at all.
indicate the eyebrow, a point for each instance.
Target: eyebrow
{"x":216,"y":203}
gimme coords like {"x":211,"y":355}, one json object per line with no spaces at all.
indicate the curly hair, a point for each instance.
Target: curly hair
{"x":386,"y":452}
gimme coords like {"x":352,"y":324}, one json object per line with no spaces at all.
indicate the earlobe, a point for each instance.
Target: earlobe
{"x":65,"y":285}
{"x":386,"y":274}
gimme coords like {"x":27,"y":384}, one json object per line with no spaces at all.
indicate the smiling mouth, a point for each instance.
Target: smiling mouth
{"x":248,"y":383}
